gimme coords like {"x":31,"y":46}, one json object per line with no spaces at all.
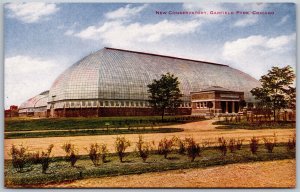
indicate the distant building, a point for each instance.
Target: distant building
{"x":113,"y":82}
{"x":35,"y":106}
{"x":12,"y":111}
{"x":223,"y":101}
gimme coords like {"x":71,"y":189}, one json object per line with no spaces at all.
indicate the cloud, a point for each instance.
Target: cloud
{"x":256,"y":54}
{"x":69,"y":32}
{"x":27,"y":76}
{"x":125,"y":12}
{"x":121,"y":34}
{"x":31,"y":12}
{"x":200,"y":6}
{"x":249,"y":20}
{"x":25,"y":64}
{"x":119,"y":30}
{"x":283,"y":20}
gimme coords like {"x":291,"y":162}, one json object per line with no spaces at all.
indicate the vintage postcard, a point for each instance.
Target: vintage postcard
{"x":150,"y":95}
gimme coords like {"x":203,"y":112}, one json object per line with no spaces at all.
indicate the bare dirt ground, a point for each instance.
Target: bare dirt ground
{"x":201,"y":131}
{"x":275,"y":174}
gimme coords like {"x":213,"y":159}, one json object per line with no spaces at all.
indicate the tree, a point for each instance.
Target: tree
{"x":242,"y":104}
{"x":165,"y":93}
{"x":276,"y":92}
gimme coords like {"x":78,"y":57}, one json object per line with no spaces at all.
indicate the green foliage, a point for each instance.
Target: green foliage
{"x":104,"y":151}
{"x":254,"y":143}
{"x":255,"y":126}
{"x":165,"y":146}
{"x":276,"y":92}
{"x":239,"y":144}
{"x":60,"y":172}
{"x":63,"y":127}
{"x":291,"y":144}
{"x":144,"y":148}
{"x":165,"y":93}
{"x":44,"y":159}
{"x":193,"y":149}
{"x":222,"y":146}
{"x":121,"y":144}
{"x":242,"y":103}
{"x":232,"y":145}
{"x":20,"y":157}
{"x":98,"y":152}
{"x":270,"y":143}
{"x":71,"y":153}
{"x":37,"y":134}
{"x":95,"y":154}
{"x":181,"y":147}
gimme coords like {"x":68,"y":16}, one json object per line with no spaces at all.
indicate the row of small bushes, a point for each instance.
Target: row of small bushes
{"x":257,"y":117}
{"x":98,"y":152}
{"x":231,"y":122}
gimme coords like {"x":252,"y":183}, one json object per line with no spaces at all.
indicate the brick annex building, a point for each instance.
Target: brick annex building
{"x":113,"y":82}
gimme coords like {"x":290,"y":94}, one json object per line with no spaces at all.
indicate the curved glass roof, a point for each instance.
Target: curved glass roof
{"x":35,"y":102}
{"x":110,"y":74}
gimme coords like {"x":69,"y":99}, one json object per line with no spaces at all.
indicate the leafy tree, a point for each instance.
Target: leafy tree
{"x":165,"y":93}
{"x":242,"y":104}
{"x":276,"y":92}
{"x":250,"y":106}
{"x":291,"y":97}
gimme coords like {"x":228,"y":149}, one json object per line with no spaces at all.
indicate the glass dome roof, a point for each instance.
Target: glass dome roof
{"x":114,"y":74}
{"x":37,"y":101}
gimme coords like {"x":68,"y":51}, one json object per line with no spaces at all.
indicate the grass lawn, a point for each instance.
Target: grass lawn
{"x":109,"y":131}
{"x":17,"y":124}
{"x":60,"y":171}
{"x":255,"y":125}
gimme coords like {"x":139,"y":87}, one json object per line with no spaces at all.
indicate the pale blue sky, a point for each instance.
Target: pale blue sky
{"x":42,"y":40}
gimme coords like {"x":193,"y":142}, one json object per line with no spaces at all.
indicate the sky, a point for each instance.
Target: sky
{"x":41,"y":40}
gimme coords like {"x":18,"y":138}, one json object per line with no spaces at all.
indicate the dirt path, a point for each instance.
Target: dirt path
{"x":259,"y":174}
{"x":202,"y":130}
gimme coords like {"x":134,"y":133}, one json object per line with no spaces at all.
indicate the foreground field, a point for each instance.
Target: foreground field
{"x":61,"y":171}
{"x":201,"y":131}
{"x":274,"y":174}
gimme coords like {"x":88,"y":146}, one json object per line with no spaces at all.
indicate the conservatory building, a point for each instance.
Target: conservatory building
{"x":113,"y":82}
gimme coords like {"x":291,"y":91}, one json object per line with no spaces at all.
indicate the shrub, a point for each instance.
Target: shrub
{"x":222,"y":146}
{"x":20,"y":157}
{"x":71,"y":153}
{"x":98,"y":152}
{"x":103,"y":151}
{"x":95,"y":154}
{"x":254,"y":142}
{"x":239,"y":144}
{"x":232,"y":145}
{"x":270,"y":143}
{"x":193,"y":149}
{"x":291,"y":144}
{"x":181,"y":147}
{"x":121,"y":144}
{"x":44,"y":159}
{"x":165,"y":146}
{"x":143,"y":148}
{"x":34,"y":157}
